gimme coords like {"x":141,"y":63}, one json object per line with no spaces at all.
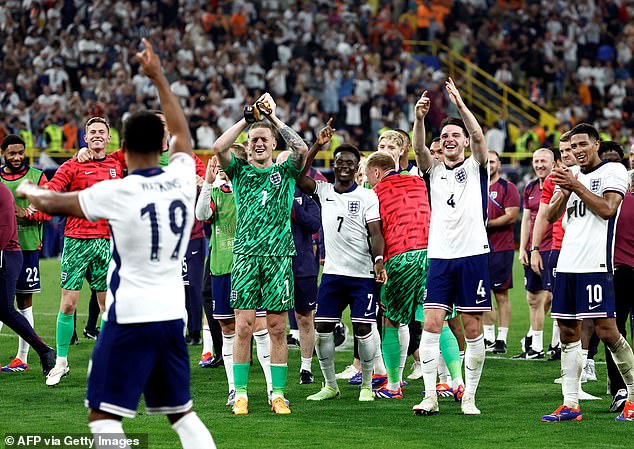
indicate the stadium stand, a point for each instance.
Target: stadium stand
{"x":65,"y":60}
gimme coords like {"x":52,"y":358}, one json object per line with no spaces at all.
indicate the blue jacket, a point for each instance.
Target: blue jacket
{"x":305,"y":221}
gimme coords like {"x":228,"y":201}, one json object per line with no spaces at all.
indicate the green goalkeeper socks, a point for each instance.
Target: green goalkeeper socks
{"x":241,"y":377}
{"x":279,"y":374}
{"x":391,"y":353}
{"x":451,"y":352}
{"x":64,"y":333}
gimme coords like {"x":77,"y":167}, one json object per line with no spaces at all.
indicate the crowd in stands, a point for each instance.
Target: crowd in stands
{"x":64,"y":60}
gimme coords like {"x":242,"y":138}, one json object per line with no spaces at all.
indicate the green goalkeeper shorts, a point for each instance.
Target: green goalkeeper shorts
{"x":85,"y":258}
{"x":262,"y":282}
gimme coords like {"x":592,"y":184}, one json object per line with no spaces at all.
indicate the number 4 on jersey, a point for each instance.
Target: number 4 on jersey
{"x":451,"y":201}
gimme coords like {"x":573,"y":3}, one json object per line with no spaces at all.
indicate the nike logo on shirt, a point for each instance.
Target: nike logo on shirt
{"x":89,"y":172}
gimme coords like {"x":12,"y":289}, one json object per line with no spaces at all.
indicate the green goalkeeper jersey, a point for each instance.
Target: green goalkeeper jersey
{"x":264,"y":199}
{"x":223,"y":230}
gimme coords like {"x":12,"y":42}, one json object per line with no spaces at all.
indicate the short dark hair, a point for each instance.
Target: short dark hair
{"x":556,"y":153}
{"x":12,"y":139}
{"x":143,"y":133}
{"x":497,"y":155}
{"x":348,"y":147}
{"x":585,"y":128}
{"x":97,"y":120}
{"x":435,"y":139}
{"x":610,"y":145}
{"x":454,"y":121}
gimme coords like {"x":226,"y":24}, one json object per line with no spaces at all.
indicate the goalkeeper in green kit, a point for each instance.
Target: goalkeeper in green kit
{"x":262,"y":276}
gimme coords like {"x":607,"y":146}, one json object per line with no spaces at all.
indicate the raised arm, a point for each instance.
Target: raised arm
{"x":293,"y":141}
{"x":305,"y":182}
{"x":222,"y":145}
{"x":174,"y":116}
{"x":424,"y":158}
{"x":203,"y":204}
{"x":476,"y":136}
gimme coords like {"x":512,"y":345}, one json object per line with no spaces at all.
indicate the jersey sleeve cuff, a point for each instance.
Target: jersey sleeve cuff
{"x":614,"y":190}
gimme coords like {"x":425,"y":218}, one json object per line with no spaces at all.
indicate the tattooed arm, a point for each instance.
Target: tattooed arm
{"x":292,"y":139}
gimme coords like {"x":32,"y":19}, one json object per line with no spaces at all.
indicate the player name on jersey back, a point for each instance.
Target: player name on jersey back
{"x":588,"y":244}
{"x":344,"y":218}
{"x":150,"y":214}
{"x":459,"y":201}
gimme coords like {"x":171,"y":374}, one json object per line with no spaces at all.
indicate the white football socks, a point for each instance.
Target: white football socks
{"x":325,"y":348}
{"x":227,"y":358}
{"x":403,"y":340}
{"x":23,"y":346}
{"x":429,"y":351}
{"x":263,"y":348}
{"x":193,"y":433}
{"x":571,"y":366}
{"x":473,"y":362}
{"x":207,"y":341}
{"x":367,"y":352}
{"x":624,"y":360}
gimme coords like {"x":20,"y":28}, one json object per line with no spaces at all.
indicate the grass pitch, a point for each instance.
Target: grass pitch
{"x":512,"y":396}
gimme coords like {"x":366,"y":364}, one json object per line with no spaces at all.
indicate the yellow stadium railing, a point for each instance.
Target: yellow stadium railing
{"x":326,"y":157}
{"x":489,"y":99}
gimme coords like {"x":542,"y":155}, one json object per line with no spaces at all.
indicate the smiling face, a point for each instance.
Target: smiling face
{"x":585,"y":150}
{"x":436,"y":151}
{"x":566,"y":154}
{"x":542,"y":163}
{"x":453,"y":142}
{"x":261,"y":145}
{"x":97,"y":136}
{"x":346,"y":166}
{"x":14,"y":157}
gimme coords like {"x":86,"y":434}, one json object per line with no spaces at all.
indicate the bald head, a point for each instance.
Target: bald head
{"x":543,"y":160}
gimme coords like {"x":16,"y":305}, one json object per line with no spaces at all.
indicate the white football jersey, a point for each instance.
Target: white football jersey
{"x":459,"y":201}
{"x":344,"y":219}
{"x":588,"y":245}
{"x":150,"y":213}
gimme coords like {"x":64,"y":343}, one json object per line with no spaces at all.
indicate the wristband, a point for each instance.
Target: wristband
{"x":377,"y":258}
{"x":249,"y":114}
{"x":534,"y":248}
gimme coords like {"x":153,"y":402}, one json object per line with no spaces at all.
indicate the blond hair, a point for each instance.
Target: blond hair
{"x":394,"y":136}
